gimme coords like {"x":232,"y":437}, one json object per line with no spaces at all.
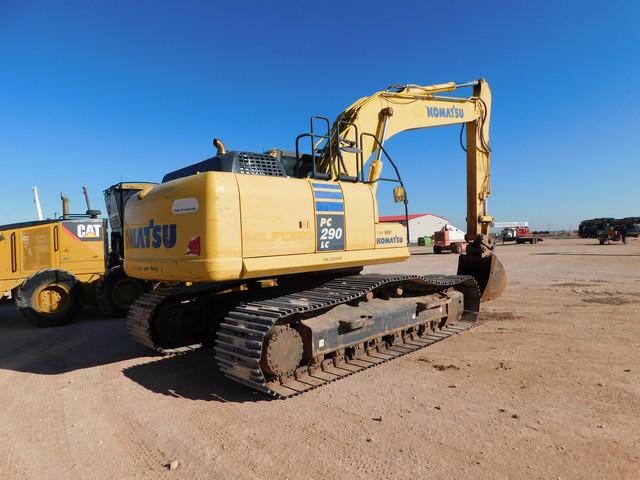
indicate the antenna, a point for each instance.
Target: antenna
{"x":86,"y":197}
{"x":36,"y":200}
{"x":92,"y":213}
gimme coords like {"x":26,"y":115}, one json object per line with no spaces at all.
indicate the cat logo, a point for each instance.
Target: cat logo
{"x":90,"y":231}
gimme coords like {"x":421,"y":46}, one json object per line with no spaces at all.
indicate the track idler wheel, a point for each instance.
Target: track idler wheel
{"x":282,"y":351}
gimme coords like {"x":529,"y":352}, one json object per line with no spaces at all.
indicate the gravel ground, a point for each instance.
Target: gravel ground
{"x":547,"y":386}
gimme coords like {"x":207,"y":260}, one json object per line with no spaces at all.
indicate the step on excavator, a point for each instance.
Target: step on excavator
{"x":265,"y":250}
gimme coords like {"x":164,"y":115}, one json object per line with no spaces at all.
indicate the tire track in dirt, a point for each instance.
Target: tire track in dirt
{"x":148,"y":459}
{"x":231,"y":439}
{"x":10,"y":467}
{"x":40,"y":429}
{"x":11,"y":462}
{"x":37,"y":406}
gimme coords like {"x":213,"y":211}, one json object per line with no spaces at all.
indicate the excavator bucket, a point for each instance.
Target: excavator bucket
{"x":488,"y":272}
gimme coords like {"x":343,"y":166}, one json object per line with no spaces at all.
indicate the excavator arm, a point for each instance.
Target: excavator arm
{"x":411,"y":107}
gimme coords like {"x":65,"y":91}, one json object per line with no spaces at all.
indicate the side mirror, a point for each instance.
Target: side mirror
{"x":399,"y":194}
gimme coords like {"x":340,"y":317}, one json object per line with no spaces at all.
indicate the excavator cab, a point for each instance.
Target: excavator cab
{"x":115,"y":198}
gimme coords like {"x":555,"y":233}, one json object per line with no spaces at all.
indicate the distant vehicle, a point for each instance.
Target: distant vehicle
{"x":449,"y":238}
{"x":611,"y":233}
{"x":632,"y":224}
{"x":518,"y":235}
{"x":590,"y":228}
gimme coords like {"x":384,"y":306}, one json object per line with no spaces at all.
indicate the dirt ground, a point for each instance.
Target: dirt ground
{"x":547,"y":386}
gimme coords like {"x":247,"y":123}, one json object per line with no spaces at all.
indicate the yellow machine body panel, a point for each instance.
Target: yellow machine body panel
{"x":360,"y":214}
{"x":277,"y":216}
{"x":76,"y":246}
{"x":184,"y":229}
{"x":222,"y":226}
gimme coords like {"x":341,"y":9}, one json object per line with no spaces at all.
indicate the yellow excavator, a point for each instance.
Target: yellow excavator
{"x":261,"y":253}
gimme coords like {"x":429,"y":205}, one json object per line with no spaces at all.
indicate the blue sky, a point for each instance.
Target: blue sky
{"x":98,"y":92}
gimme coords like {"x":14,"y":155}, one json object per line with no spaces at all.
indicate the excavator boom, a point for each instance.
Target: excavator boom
{"x":411,"y":107}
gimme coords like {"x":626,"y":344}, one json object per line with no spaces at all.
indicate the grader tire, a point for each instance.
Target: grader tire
{"x":116,"y":291}
{"x":49,"y":298}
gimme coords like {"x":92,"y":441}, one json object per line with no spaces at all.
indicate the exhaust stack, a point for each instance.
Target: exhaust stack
{"x":65,"y":206}
{"x":221,"y":150}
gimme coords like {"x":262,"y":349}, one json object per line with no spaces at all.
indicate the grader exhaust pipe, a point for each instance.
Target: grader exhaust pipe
{"x":65,"y":206}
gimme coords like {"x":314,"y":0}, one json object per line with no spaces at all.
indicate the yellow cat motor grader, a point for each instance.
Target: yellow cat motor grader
{"x":46,"y":265}
{"x":266,"y":249}
{"x":52,"y":267}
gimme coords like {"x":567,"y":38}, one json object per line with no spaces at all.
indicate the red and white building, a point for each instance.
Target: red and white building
{"x":420,"y":224}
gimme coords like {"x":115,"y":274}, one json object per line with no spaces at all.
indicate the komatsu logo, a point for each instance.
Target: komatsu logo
{"x":389,"y":240}
{"x":445,"y":112}
{"x":153,"y":236}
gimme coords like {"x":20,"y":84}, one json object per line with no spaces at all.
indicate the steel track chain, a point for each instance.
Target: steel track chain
{"x":140,"y":315}
{"x":241,"y":335}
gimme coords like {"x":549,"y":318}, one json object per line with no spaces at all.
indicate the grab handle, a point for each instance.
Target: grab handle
{"x":14,"y":255}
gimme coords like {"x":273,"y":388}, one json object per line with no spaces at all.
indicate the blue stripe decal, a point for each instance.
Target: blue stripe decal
{"x":330,"y":186}
{"x":329,"y":207}
{"x":337,"y":195}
